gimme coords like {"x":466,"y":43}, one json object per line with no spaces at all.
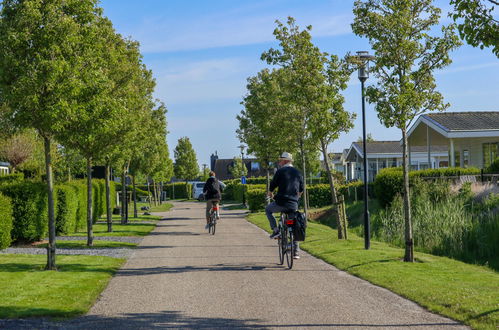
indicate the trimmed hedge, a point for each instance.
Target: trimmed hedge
{"x":256,"y":199}
{"x":29,"y":210}
{"x":11,"y":178}
{"x":389,"y":181}
{"x":5,"y":221}
{"x":178,"y":190}
{"x":80,"y":190}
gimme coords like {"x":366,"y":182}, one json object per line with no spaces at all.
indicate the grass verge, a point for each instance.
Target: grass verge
{"x":26,"y":290}
{"x":96,"y":245}
{"x":464,"y":292}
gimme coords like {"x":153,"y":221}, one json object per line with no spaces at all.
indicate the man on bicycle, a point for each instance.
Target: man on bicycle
{"x":212,"y":191}
{"x":290,"y":183}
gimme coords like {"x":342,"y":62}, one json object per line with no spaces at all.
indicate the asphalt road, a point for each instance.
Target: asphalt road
{"x":181,"y":277}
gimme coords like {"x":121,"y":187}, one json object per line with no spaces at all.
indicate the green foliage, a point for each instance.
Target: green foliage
{"x":67,"y":208}
{"x":319,"y":195}
{"x":493,"y":167}
{"x":11,"y":178}
{"x":238,"y":169}
{"x":476,"y":23}
{"x":29,"y":210}
{"x":256,"y":199}
{"x":5,"y":221}
{"x":186,"y":164}
{"x":178,"y":190}
{"x":80,"y":189}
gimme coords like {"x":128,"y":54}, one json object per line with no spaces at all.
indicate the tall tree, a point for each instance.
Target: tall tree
{"x":477,"y":22}
{"x":186,"y":164}
{"x":40,"y":69}
{"x":407,"y":54}
{"x":238,"y":169}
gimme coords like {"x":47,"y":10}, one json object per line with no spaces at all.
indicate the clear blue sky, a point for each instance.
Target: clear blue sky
{"x":202,"y":52}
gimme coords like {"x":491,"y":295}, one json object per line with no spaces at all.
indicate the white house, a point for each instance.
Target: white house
{"x":472,"y":137}
{"x":381,"y":154}
{"x":4,"y":168}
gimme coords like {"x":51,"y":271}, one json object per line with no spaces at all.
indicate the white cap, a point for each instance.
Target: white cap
{"x":286,"y":156}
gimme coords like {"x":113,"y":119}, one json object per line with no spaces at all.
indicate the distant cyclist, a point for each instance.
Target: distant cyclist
{"x":212,"y":191}
{"x":290,"y":183}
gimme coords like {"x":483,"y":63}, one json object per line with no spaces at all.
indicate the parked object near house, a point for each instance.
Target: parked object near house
{"x":4,"y":168}
{"x":472,"y":137}
{"x":383,"y":154}
{"x":197,"y":190}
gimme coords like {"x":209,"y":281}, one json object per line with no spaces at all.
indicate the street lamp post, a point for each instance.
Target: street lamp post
{"x":242,"y":163}
{"x":363,"y":59}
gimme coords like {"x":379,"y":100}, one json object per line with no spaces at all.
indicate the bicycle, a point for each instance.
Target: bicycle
{"x":286,"y":242}
{"x":214,"y":216}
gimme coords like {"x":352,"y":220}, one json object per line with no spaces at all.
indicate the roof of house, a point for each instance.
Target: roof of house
{"x":5,"y":164}
{"x":222,"y":167}
{"x":390,"y":148}
{"x":466,"y":121}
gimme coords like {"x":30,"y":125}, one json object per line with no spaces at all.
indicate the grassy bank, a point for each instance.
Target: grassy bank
{"x":26,"y":290}
{"x":464,"y":292}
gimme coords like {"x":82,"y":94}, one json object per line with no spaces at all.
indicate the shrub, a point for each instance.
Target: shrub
{"x":80,"y":190}
{"x":178,"y":190}
{"x":319,"y":195}
{"x":29,"y":210}
{"x":11,"y":178}
{"x":256,"y":199}
{"x":493,"y":167}
{"x":5,"y":221}
{"x":67,"y":208}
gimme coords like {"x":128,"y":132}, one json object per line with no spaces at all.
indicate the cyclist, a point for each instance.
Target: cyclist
{"x":290,"y":183}
{"x":212,"y":191}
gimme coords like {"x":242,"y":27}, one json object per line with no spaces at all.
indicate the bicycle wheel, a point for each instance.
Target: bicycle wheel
{"x":210,"y":223}
{"x":289,"y":247}
{"x":280,"y":245}
{"x":213,"y":223}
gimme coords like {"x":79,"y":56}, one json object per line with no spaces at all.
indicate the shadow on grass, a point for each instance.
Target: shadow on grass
{"x":22,"y":267}
{"x":372,"y":262}
{"x":176,"y":319}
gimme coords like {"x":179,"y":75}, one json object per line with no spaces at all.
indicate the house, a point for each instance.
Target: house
{"x":381,"y":154}
{"x":472,"y":137}
{"x":222,"y":167}
{"x":4,"y":168}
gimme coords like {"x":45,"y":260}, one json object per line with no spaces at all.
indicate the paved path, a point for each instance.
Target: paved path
{"x":181,"y":277}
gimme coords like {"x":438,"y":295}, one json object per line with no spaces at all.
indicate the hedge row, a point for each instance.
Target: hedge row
{"x":29,"y":210}
{"x":11,"y":178}
{"x":389,"y":181}
{"x":178,"y":190}
{"x":5,"y":221}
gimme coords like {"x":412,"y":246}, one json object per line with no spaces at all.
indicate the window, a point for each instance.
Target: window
{"x":199,"y":185}
{"x":255,"y":166}
{"x":489,"y":153}
{"x":466,"y":158}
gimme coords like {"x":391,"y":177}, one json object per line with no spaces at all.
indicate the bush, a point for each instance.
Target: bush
{"x":5,"y":221}
{"x":493,"y":167}
{"x":178,"y":190}
{"x":67,"y":206}
{"x":29,"y":210}
{"x":11,"y":178}
{"x":256,"y":199}
{"x":80,"y":190}
{"x":319,"y":195}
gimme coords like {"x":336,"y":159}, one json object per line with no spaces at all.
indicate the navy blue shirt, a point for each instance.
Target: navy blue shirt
{"x":290,"y":183}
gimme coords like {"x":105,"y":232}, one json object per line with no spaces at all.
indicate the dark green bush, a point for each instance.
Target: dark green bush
{"x":319,"y":195}
{"x":5,"y":221}
{"x":178,"y":190}
{"x":256,"y":199}
{"x":493,"y":167}
{"x":29,"y":210}
{"x":11,"y":178}
{"x":67,"y":208}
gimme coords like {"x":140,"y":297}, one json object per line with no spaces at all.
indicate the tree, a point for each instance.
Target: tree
{"x":477,"y":26}
{"x":18,"y":148}
{"x":41,"y":62}
{"x":369,"y":138}
{"x":186,"y":164}
{"x":238,"y":169}
{"x":406,"y":56}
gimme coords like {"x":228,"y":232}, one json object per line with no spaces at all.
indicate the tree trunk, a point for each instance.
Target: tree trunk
{"x":51,"y":251}
{"x":109,"y":214}
{"x":90,"y":236}
{"x":127,"y":197}
{"x":123,"y":196}
{"x":305,"y":204}
{"x":149,"y":192}
{"x":409,"y":245}
{"x":135,"y":214}
{"x":334,"y":196}
{"x":268,"y":182}
{"x":69,"y":174}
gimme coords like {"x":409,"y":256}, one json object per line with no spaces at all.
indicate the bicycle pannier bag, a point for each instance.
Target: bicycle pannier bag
{"x":299,"y":229}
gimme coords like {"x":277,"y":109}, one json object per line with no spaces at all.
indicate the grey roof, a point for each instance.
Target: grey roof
{"x":335,"y":156}
{"x":466,"y":121}
{"x":393,"y":147}
{"x":4,"y":164}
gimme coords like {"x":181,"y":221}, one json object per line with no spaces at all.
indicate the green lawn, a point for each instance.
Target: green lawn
{"x":131,"y":229}
{"x":26,"y":290}
{"x":83,"y":245}
{"x":464,"y":292}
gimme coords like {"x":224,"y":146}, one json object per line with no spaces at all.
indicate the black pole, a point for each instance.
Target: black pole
{"x":367,"y":229}
{"x":242,"y":161}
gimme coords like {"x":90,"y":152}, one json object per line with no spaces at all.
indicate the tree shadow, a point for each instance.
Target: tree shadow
{"x":22,"y":267}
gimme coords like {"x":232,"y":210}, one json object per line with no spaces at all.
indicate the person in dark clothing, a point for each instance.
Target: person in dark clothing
{"x":290,"y":183}
{"x":212,"y":191}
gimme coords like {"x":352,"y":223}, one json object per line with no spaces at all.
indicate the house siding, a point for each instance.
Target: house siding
{"x":475,"y":147}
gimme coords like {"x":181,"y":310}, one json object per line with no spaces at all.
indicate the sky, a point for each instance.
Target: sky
{"x":202,"y":52}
